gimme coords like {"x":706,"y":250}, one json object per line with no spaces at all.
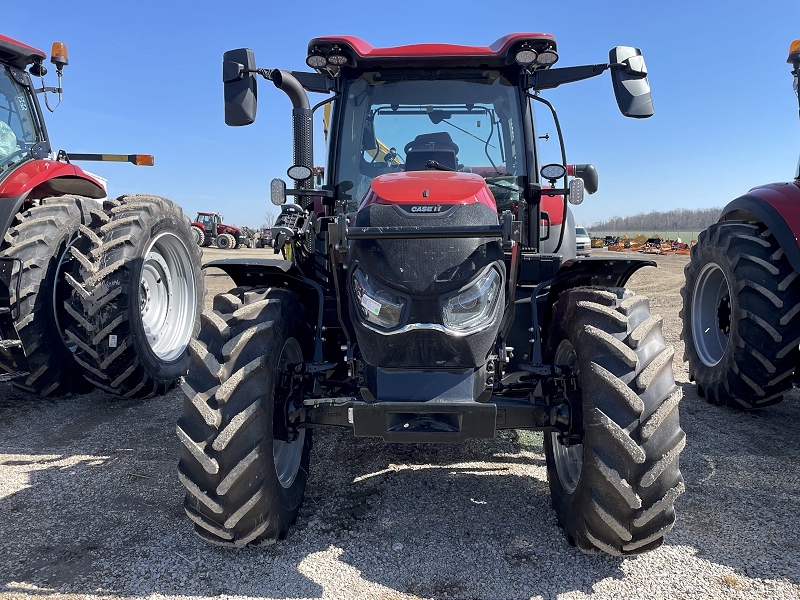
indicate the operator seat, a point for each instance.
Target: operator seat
{"x":431,"y":146}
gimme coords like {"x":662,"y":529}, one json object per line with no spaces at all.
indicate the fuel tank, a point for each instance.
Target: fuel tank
{"x":433,"y":303}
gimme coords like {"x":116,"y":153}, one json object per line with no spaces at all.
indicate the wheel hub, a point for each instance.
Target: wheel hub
{"x":724,"y":315}
{"x":287,"y":455}
{"x":167,"y":296}
{"x":711,"y":314}
{"x":568,"y":459}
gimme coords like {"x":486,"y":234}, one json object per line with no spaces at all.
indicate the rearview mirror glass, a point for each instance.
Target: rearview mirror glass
{"x":240,"y":86}
{"x":629,"y":74}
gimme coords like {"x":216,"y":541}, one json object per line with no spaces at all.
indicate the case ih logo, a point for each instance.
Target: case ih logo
{"x":428,"y":208}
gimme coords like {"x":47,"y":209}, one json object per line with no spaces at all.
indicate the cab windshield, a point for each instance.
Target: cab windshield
{"x":462,"y":120}
{"x":18,"y":131}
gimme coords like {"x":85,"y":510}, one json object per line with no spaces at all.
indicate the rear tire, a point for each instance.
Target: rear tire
{"x":137,"y":298}
{"x":40,"y":239}
{"x":740,"y":325}
{"x":615,"y":492}
{"x":243,"y":486}
{"x":199,"y":235}
{"x":225,"y":241}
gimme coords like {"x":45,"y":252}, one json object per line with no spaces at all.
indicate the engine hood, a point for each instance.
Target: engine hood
{"x":429,"y":188}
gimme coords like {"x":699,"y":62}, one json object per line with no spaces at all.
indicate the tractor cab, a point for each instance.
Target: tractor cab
{"x":209,"y":221}
{"x":20,"y":129}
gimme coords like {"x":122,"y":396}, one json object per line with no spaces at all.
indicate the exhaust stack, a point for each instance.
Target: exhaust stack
{"x":302,"y":126}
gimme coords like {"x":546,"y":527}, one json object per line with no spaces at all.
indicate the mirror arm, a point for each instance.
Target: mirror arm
{"x":552,"y":78}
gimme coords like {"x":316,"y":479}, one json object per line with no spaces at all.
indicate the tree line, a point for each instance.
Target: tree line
{"x":679,"y":219}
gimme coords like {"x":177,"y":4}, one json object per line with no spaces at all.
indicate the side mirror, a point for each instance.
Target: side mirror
{"x":589,"y":175}
{"x":629,"y":74}
{"x":240,"y":86}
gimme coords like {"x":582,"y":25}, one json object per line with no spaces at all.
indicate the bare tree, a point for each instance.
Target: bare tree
{"x":269,"y":220}
{"x":681,"y":219}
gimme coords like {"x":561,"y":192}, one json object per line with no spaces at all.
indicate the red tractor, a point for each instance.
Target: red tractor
{"x":742,"y":296}
{"x":93,"y":291}
{"x":208,"y":229}
{"x":432,"y":298}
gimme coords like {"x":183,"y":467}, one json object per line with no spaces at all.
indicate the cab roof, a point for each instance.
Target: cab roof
{"x":17,"y":54}
{"x":362,"y":55}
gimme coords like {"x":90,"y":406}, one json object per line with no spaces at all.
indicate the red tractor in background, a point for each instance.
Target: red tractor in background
{"x":209,"y":229}
{"x":93,"y":291}
{"x":741,"y":299}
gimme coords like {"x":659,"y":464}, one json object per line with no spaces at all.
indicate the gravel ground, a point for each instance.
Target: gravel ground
{"x":90,"y":506}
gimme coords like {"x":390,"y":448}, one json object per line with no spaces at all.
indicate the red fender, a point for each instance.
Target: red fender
{"x":54,"y":177}
{"x":777,"y":205}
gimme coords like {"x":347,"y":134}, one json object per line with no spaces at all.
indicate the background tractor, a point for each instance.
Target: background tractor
{"x":742,"y":295}
{"x":433,"y":295}
{"x":93,"y":291}
{"x":209,"y":229}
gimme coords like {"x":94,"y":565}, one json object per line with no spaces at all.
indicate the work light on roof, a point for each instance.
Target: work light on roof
{"x":547,"y":58}
{"x":316,"y":60}
{"x":525,"y":56}
{"x":336,"y":58}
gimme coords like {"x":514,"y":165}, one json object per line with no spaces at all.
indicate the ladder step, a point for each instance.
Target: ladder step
{"x":6,"y":344}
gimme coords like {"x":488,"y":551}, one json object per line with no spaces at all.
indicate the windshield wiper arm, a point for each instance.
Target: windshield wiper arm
{"x":432,"y":164}
{"x":468,"y":133}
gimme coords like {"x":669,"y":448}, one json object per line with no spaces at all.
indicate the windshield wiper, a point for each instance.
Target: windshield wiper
{"x":432,"y":164}
{"x":468,"y":133}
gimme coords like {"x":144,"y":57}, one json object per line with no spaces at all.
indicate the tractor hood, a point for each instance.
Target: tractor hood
{"x":429,"y":191}
{"x":418,"y":276}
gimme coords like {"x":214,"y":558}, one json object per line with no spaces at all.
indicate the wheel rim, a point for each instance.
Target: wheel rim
{"x":167,"y":296}
{"x":287,"y":455}
{"x":61,"y":292}
{"x":711,"y":314}
{"x":568,"y":460}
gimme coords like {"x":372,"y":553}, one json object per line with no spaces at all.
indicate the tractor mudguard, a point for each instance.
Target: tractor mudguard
{"x":57,"y":178}
{"x":777,"y":205}
{"x":278,"y":273}
{"x":53,"y":177}
{"x":607,"y":272}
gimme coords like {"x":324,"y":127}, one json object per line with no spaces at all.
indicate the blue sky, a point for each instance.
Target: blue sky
{"x":146,"y":77}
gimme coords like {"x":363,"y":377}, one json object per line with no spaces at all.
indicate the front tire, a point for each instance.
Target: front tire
{"x":137,"y":297}
{"x":243,"y":486}
{"x":225,"y":241}
{"x":616,"y":490}
{"x":740,"y":324}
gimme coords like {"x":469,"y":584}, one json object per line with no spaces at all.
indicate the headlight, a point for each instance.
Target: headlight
{"x":377,"y":304}
{"x":473,"y":307}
